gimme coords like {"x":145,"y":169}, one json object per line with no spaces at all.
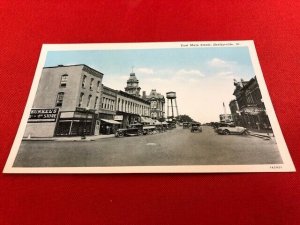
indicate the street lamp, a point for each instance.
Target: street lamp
{"x":85,"y":122}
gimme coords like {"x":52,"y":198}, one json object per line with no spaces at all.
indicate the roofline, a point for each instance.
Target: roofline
{"x":84,"y":65}
{"x":133,"y":97}
{"x":110,"y":89}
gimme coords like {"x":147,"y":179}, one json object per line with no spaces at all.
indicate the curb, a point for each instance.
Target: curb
{"x":65,"y":140}
{"x":265,"y":137}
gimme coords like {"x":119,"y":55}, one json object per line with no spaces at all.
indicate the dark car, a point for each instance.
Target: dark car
{"x":131,"y":130}
{"x":196,"y":127}
{"x":185,"y":125}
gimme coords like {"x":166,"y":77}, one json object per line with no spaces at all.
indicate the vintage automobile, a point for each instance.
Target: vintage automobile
{"x":231,"y":129}
{"x":185,"y":125}
{"x":131,"y":130}
{"x":196,"y":127}
{"x":149,"y":130}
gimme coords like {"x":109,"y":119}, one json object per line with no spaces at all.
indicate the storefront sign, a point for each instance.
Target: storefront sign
{"x":43,"y":115}
{"x":252,"y":110}
{"x":118,"y":117}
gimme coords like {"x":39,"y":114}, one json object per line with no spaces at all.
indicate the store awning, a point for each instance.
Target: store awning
{"x":146,"y":120}
{"x":156,"y":122}
{"x":111,"y":121}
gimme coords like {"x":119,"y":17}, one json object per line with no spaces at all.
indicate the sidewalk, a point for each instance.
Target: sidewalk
{"x":267,"y":135}
{"x":77,"y":138}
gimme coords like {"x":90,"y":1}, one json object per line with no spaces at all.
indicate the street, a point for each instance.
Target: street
{"x":174,"y":147}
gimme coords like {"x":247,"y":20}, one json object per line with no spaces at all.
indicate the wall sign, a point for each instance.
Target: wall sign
{"x":43,"y":115}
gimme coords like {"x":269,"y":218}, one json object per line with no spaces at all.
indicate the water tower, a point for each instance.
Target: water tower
{"x":171,"y":98}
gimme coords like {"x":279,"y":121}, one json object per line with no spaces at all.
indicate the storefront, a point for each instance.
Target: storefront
{"x":78,"y":123}
{"x":109,"y":126}
{"x":255,"y":118}
{"x":146,"y":120}
{"x":127,"y":118}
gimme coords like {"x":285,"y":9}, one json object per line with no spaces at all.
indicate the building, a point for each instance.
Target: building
{"x":226,"y":118}
{"x":251,"y":107}
{"x":133,"y":85}
{"x":157,"y":104}
{"x":66,"y":102}
{"x":234,"y":109}
{"x":131,"y":108}
{"x":107,"y":110}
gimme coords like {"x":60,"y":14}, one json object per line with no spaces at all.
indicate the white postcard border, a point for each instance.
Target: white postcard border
{"x":287,"y":165}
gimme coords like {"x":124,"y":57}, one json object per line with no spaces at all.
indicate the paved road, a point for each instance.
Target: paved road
{"x":175,"y":147}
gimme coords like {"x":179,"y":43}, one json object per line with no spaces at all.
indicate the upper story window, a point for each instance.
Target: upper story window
{"x":80,"y":99}
{"x":59,"y":99}
{"x":89,"y":101}
{"x":63,"y":80}
{"x":102,"y":104}
{"x":98,"y":86}
{"x":96,"y":102}
{"x":83,"y":81}
{"x":91,"y":84}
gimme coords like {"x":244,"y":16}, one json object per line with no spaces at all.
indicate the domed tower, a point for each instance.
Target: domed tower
{"x":133,"y":85}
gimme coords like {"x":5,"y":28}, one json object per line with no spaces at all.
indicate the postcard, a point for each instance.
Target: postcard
{"x":165,"y":107}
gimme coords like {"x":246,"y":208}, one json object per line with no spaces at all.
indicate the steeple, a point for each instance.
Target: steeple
{"x":133,"y":85}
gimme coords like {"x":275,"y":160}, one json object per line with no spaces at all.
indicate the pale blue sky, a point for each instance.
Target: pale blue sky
{"x":204,"y":75}
{"x":112,"y":62}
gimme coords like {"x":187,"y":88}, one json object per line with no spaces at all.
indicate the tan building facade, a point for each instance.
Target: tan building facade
{"x":75,"y":92}
{"x":130,"y":108}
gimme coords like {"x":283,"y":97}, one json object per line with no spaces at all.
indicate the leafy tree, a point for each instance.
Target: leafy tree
{"x":184,"y":118}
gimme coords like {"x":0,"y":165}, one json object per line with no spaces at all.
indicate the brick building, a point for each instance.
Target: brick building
{"x":157,"y":104}
{"x":251,"y":107}
{"x":73,"y":92}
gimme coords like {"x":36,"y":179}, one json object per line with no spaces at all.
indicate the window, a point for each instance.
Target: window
{"x":91,"y":84}
{"x":59,"y":99}
{"x":80,"y":99}
{"x":83,"y":81}
{"x":102,"y":104}
{"x":98,"y":86}
{"x":63,"y":80}
{"x":96,"y":102}
{"x":112,"y":105}
{"x":89,"y":101}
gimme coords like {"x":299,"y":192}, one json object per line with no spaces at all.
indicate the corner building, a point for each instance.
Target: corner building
{"x":75,"y":92}
{"x":251,"y":107}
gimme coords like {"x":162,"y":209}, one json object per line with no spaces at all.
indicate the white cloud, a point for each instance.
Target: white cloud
{"x":189,"y":73}
{"x":144,"y":70}
{"x":219,"y":63}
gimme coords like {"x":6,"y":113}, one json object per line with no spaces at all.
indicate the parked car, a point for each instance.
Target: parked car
{"x":131,"y":130}
{"x":185,"y":125}
{"x":196,"y":127}
{"x":149,"y":130}
{"x":231,"y":129}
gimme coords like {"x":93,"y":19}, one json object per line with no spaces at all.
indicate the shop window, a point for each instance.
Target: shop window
{"x":80,"y":99}
{"x":63,"y":80}
{"x":83,"y":81}
{"x":59,"y":99}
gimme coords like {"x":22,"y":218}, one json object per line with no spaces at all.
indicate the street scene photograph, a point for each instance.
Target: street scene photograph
{"x":147,"y":105}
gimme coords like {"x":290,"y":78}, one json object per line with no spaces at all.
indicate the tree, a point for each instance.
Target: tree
{"x":184,"y":118}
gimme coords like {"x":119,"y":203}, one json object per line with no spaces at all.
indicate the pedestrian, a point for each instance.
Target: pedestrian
{"x":107,"y":129}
